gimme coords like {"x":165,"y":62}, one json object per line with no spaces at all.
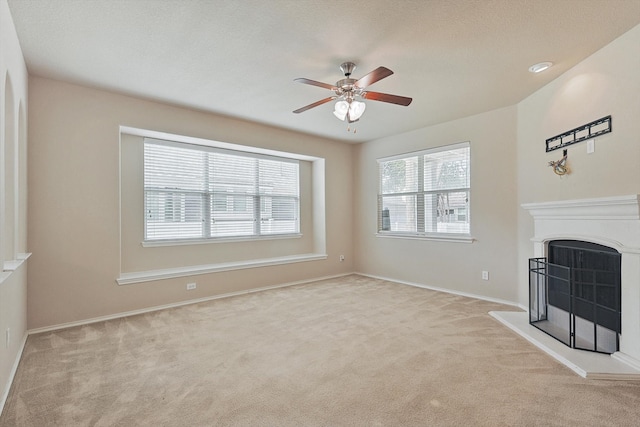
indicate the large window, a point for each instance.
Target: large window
{"x":200,"y":192}
{"x":425,"y":193}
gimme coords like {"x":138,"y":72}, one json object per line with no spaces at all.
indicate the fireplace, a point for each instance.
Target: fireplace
{"x":574,"y":294}
{"x":610,"y":225}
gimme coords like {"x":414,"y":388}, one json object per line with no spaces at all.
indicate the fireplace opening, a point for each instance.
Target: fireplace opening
{"x":574,"y":295}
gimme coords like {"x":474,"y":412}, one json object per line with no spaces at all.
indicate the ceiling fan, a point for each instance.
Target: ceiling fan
{"x":348,"y":90}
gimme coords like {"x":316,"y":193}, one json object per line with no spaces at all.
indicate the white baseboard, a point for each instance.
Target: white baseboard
{"x":625,"y":358}
{"x":177,"y":304}
{"x":448,"y":291}
{"x":14,"y":369}
{"x":265,"y":288}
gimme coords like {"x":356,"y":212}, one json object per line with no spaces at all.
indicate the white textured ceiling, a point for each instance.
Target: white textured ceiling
{"x":239,"y":58}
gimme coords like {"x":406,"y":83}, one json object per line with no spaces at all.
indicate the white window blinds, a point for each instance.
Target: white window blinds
{"x":200,"y":192}
{"x":425,"y":192}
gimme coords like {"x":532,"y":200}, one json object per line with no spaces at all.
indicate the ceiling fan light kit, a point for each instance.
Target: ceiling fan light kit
{"x":351,"y":110}
{"x":346,"y":90}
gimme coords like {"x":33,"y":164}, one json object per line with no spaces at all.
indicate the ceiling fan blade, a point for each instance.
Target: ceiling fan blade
{"x":385,"y":97}
{"x":374,"y":76}
{"x":315,"y":83}
{"x":315,"y":104}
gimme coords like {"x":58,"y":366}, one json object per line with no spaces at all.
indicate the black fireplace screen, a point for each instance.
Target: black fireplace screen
{"x":574,"y":295}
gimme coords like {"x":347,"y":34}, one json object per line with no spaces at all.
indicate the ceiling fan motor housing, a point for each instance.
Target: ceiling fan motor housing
{"x":347,"y":68}
{"x":345,"y":86}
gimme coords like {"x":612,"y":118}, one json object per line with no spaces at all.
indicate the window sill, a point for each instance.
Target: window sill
{"x":154,"y":243}
{"x":11,"y":266}
{"x":16,"y":263}
{"x":440,"y":238}
{"x":169,"y":273}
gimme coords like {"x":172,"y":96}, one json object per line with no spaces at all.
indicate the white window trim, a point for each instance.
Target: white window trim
{"x":455,"y":238}
{"x":428,"y":150}
{"x":10,"y":266}
{"x":318,"y":253}
{"x":210,"y":143}
{"x":442,"y":237}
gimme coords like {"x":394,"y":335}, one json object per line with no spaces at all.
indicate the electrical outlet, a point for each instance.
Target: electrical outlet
{"x":485,"y":275}
{"x":341,"y":258}
{"x":8,"y":338}
{"x":191,"y":286}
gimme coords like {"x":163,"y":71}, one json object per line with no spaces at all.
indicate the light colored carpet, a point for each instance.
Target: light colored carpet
{"x":352,"y":351}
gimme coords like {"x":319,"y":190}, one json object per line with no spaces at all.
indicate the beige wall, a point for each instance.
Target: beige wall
{"x":607,"y":83}
{"x":74,"y":215}
{"x":449,"y":265}
{"x":13,"y":196}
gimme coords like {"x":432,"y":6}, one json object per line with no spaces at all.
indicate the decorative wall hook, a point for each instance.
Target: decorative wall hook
{"x":560,"y":166}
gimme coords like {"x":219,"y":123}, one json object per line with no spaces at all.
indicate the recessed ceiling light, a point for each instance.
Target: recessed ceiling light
{"x":540,"y":66}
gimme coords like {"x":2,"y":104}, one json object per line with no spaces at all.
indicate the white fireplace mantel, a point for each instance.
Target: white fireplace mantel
{"x":609,"y":221}
{"x":607,"y":208}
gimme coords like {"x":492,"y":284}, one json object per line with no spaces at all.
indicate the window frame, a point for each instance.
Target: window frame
{"x":421,"y":219}
{"x":208,"y":199}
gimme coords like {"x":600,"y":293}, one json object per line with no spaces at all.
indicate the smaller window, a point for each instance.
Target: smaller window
{"x":425,"y":193}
